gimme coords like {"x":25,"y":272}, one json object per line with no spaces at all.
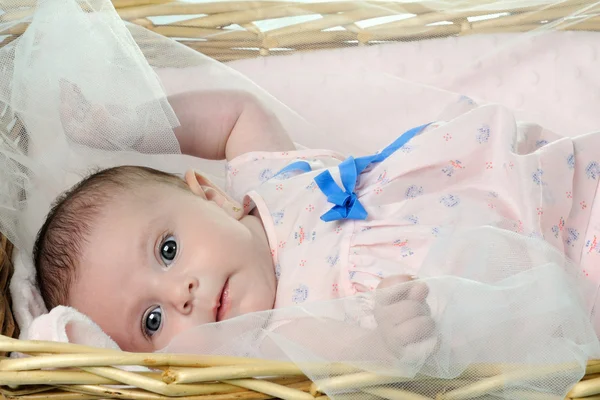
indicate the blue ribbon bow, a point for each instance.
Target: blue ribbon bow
{"x":346,"y":203}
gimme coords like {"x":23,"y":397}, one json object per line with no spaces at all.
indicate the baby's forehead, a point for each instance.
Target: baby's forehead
{"x":141,"y":195}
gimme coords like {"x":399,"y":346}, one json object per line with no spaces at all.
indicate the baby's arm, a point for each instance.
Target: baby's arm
{"x":213,"y":125}
{"x":225,"y":124}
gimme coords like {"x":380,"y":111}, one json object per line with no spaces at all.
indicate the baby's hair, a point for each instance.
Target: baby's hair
{"x":60,"y":242}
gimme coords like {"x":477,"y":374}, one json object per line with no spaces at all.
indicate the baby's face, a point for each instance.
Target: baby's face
{"x":161,"y":261}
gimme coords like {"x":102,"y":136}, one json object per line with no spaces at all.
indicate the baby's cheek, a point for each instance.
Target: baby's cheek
{"x":173,"y":329}
{"x":259,"y":299}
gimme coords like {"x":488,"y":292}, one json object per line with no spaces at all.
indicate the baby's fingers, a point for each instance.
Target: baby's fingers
{"x":402,"y":312}
{"x":418,"y":291}
{"x":393,"y":289}
{"x":394,"y":281}
{"x":413,"y":331}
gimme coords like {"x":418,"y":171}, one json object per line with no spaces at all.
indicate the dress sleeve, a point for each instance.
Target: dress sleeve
{"x":248,"y":171}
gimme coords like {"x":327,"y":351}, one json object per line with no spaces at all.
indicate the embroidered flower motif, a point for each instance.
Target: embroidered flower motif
{"x":277,"y":217}
{"x":536,"y":235}
{"x":382,"y":178}
{"x":537,"y":177}
{"x":414,"y":191}
{"x":279,"y":187}
{"x":333,"y":260}
{"x":447,"y":137}
{"x":572,"y":236}
{"x":592,"y":245}
{"x":400,"y":243}
{"x":310,"y":208}
{"x":489,"y":165}
{"x":406,"y":252}
{"x":467,"y":100}
{"x":312,"y":186}
{"x":452,"y":167}
{"x":556,"y":229}
{"x":413,"y":219}
{"x":265,"y":175}
{"x":571,"y":161}
{"x":592,"y":170}
{"x":300,"y":235}
{"x":284,"y":175}
{"x":406,"y":149}
{"x":300,"y":294}
{"x":518,"y":226}
{"x":450,"y":200}
{"x":483,"y":134}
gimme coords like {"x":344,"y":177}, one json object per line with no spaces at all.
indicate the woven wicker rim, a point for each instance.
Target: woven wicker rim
{"x":79,"y":372}
{"x":230,"y":30}
{"x":84,"y":372}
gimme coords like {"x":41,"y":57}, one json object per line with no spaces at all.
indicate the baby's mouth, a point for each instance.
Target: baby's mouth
{"x":224,"y":302}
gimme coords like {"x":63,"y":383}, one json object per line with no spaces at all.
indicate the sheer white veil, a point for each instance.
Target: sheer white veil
{"x":497,"y":296}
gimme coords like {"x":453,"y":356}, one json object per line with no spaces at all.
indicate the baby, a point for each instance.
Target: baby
{"x":147,"y":255}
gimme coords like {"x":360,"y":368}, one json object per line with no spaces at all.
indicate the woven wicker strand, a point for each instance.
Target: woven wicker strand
{"x":62,"y":368}
{"x":230,"y":30}
{"x":72,"y":372}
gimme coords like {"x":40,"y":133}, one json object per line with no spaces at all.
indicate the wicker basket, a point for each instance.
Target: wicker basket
{"x":84,"y":373}
{"x":213,"y":35}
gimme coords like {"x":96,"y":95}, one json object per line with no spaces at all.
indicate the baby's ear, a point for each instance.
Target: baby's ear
{"x":203,"y":187}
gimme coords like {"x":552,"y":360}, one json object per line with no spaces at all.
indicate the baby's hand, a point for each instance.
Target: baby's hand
{"x":402,"y":315}
{"x":81,"y":120}
{"x":94,"y":125}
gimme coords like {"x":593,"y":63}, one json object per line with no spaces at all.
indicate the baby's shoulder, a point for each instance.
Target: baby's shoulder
{"x":252,"y":170}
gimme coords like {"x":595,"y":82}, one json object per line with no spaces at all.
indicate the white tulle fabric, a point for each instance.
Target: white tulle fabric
{"x":515,"y":301}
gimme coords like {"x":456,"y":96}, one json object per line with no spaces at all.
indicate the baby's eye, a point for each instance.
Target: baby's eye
{"x":152,"y":321}
{"x":168,"y":250}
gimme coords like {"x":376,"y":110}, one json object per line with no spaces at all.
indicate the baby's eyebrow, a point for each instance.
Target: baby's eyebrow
{"x":145,"y":243}
{"x":147,"y":240}
{"x":134,"y":324}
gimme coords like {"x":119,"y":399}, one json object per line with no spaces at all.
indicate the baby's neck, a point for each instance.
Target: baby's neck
{"x":255,"y":225}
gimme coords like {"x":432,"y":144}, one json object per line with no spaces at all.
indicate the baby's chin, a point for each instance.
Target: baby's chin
{"x":256,"y":302}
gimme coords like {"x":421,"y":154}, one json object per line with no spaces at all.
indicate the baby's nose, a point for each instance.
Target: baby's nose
{"x":185,"y":297}
{"x":192,"y":284}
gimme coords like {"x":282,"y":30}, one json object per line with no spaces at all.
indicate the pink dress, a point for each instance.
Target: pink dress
{"x":479,"y":168}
